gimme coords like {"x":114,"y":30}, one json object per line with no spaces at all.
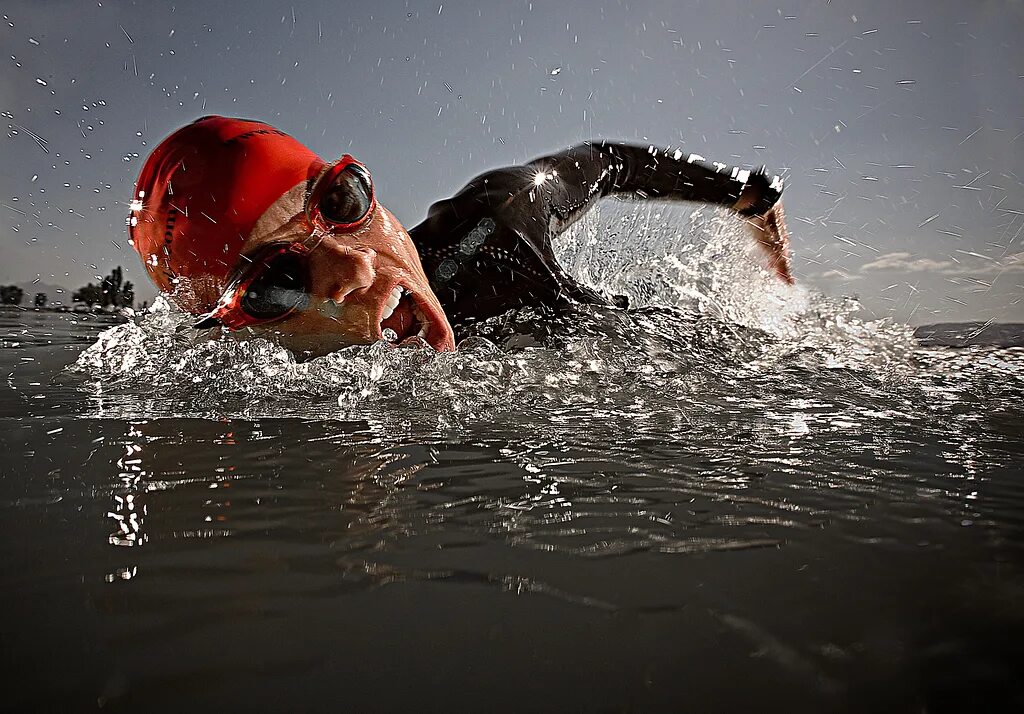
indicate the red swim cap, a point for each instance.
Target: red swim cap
{"x":199,"y":195}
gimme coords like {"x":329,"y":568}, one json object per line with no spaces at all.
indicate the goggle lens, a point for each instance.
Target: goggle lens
{"x":278,"y":289}
{"x":348,"y":198}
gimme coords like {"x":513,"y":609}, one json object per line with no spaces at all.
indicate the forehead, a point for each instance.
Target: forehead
{"x":283,"y":222}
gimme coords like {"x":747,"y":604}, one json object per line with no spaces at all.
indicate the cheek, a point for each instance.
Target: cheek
{"x":393,"y":240}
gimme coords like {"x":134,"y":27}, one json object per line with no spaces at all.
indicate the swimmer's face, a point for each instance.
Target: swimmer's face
{"x":360,"y":286}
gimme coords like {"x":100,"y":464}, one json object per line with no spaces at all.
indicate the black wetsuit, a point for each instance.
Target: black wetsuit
{"x":488,"y":249}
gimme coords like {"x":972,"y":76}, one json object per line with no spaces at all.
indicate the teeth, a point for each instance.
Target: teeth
{"x":389,"y":309}
{"x":392,"y":302}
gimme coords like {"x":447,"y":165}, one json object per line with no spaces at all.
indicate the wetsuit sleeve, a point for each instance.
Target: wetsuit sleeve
{"x":489,"y":248}
{"x":583,"y":174}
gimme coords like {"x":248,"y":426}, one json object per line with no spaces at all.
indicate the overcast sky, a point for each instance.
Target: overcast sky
{"x":899,"y":124}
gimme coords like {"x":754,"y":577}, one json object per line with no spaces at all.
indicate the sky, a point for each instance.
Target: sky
{"x":899,"y":126}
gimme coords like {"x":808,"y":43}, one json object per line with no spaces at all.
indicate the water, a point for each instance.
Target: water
{"x":733,"y":495}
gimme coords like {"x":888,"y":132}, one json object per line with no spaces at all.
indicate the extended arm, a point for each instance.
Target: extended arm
{"x":575,"y":179}
{"x":488,"y":248}
{"x":585,"y":173}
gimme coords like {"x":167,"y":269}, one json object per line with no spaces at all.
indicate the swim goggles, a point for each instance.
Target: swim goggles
{"x":273,"y":282}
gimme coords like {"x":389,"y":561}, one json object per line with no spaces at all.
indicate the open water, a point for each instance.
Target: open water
{"x":732,"y":496}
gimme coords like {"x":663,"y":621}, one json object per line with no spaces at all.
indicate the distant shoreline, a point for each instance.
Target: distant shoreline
{"x":64,"y":310}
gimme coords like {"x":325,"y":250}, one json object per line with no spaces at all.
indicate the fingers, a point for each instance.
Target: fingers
{"x":773,"y":237}
{"x":780,"y":255}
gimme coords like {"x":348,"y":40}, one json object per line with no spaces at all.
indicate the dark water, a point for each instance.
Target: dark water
{"x":598,"y":511}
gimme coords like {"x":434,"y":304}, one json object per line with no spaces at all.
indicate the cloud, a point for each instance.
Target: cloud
{"x":837,"y":274}
{"x":906,"y":262}
{"x":901,"y":262}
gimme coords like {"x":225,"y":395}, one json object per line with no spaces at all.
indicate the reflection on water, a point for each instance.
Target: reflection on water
{"x":675,"y":507}
{"x":129,"y":510}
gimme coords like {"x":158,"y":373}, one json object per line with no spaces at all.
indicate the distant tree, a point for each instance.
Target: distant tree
{"x":128,"y":294}
{"x":40,"y":300}
{"x":113,"y":291}
{"x":117,"y":280}
{"x":91,"y":295}
{"x":11,"y":295}
{"x":111,"y":288}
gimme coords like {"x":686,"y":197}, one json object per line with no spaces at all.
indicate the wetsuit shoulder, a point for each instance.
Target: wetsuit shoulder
{"x":488,"y":249}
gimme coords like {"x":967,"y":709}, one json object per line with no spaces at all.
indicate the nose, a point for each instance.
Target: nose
{"x":338,"y":270}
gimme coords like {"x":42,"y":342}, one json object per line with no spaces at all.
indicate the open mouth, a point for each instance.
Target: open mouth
{"x":404,"y":317}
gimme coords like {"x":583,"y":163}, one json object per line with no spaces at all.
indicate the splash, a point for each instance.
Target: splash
{"x":699,"y":260}
{"x":704,"y":318}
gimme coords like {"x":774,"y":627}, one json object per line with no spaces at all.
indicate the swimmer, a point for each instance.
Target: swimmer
{"x":243,"y":226}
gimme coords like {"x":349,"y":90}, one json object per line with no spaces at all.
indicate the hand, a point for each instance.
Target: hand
{"x":769,"y":230}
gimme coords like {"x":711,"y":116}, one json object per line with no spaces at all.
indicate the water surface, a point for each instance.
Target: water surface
{"x":732,"y":495}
